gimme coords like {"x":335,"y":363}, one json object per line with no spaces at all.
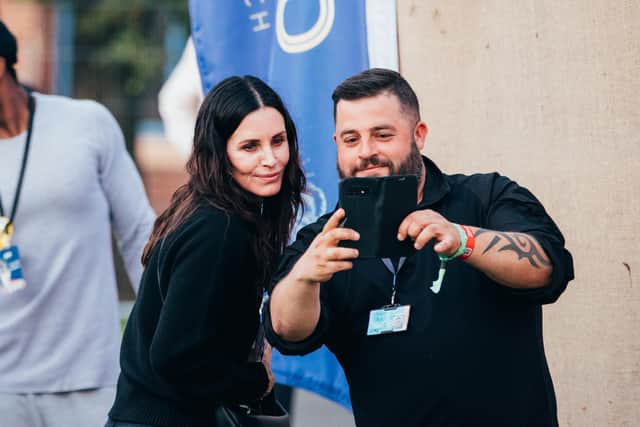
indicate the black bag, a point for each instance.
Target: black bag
{"x":243,"y":416}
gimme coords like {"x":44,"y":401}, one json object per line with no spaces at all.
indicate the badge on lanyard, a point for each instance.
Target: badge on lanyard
{"x":393,"y":317}
{"x":11,"y":277}
{"x":389,"y":319}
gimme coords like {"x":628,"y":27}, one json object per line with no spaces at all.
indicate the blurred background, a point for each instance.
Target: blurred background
{"x":118,"y":53}
{"x":543,"y":91}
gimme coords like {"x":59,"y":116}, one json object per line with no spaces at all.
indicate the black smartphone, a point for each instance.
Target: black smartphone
{"x":375,"y":207}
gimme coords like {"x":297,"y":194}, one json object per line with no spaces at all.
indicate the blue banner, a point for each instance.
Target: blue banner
{"x":303,"y":49}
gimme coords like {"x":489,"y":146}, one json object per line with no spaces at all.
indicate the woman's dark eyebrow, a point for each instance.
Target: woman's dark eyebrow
{"x":246,"y":141}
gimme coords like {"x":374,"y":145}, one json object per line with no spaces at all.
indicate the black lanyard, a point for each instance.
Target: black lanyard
{"x":16,"y":198}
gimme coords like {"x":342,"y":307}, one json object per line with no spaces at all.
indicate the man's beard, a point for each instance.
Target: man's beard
{"x":410,"y":165}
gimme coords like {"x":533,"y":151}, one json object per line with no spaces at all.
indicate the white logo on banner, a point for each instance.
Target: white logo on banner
{"x":299,"y":43}
{"x":315,"y":204}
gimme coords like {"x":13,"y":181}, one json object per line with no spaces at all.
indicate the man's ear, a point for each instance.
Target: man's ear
{"x":420,"y":134}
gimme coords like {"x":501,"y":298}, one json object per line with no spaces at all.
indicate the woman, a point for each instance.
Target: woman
{"x":187,"y":342}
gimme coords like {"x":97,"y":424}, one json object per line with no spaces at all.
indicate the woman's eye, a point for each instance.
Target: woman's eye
{"x":249,"y":147}
{"x":278,"y":141}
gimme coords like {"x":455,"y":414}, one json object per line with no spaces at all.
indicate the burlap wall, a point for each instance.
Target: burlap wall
{"x":548,"y":93}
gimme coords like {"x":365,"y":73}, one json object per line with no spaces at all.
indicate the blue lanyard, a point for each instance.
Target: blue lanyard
{"x":392,"y":268}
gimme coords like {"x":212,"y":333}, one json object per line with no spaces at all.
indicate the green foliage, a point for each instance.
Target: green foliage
{"x":119,"y":54}
{"x":123,"y":39}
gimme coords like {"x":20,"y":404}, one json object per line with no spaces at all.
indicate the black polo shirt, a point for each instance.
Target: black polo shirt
{"x":473,"y":354}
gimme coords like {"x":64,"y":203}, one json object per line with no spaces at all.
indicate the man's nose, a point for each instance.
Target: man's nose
{"x":368,"y":148}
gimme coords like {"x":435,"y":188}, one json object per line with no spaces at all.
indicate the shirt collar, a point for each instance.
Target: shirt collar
{"x":435,"y":186}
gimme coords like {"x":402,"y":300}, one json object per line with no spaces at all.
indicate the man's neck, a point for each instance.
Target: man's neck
{"x":422,"y":183}
{"x":14,"y":111}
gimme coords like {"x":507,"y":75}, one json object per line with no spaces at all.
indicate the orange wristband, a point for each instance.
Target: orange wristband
{"x":471,"y":242}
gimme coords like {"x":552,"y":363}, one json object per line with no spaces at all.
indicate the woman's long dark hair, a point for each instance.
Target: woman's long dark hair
{"x":210,"y":179}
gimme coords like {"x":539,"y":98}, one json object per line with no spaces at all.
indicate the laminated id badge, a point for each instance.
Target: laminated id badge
{"x":387,"y":320}
{"x":11,"y":277}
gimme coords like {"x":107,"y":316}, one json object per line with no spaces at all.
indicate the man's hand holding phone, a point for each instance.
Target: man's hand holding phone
{"x":426,"y":225}
{"x":324,"y":257}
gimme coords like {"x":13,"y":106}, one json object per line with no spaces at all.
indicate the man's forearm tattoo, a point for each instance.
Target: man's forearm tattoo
{"x":519,"y":243}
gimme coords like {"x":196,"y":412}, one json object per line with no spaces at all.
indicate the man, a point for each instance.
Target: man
{"x":472,"y":352}
{"x":59,"y":328}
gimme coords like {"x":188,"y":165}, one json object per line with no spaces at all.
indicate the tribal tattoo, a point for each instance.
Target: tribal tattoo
{"x":519,"y":243}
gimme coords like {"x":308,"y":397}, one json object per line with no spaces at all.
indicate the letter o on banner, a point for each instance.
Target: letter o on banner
{"x":300,"y":43}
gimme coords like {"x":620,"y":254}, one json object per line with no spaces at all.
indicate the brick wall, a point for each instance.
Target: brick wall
{"x":34,"y":27}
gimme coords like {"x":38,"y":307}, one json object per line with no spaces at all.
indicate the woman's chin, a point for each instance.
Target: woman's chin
{"x":267,"y":190}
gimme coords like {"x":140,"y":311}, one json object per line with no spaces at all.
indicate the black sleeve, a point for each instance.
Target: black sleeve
{"x":196,"y":347}
{"x":514,"y":208}
{"x":287,"y":261}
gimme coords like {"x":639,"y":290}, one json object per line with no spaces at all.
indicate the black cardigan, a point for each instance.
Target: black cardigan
{"x":181,"y":358}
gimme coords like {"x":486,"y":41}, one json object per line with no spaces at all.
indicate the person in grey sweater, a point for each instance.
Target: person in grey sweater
{"x":66,"y":182}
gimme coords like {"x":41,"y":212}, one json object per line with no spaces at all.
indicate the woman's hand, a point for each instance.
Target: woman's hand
{"x":266,"y":361}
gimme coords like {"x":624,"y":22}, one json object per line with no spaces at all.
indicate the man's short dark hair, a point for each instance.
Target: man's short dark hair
{"x":8,"y":49}
{"x":374,"y":82}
